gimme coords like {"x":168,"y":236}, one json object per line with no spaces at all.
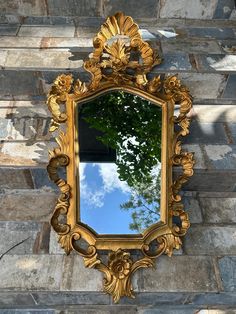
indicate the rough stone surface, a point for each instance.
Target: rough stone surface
{"x":25,"y":153}
{"x":145,"y":8}
{"x":162,"y":278}
{"x":26,"y":205}
{"x":47,"y":31}
{"x":224,"y":9}
{"x":23,"y":7}
{"x":15,"y":299}
{"x":40,"y":59}
{"x":13,"y":233}
{"x":219,"y":63}
{"x":70,"y":298}
{"x":211,"y":240}
{"x":175,"y":62}
{"x":219,"y":33}
{"x":229,"y":91}
{"x":74,"y":8}
{"x":190,"y":46}
{"x":221,"y":156}
{"x":11,"y":178}
{"x":73,"y":268}
{"x":187,"y":9}
{"x":204,"y":85}
{"x":6,"y":30}
{"x":219,"y":209}
{"x":193,"y":209}
{"x":211,"y":113}
{"x":204,"y":133}
{"x":41,"y":39}
{"x":31,"y":272}
{"x":228,"y":272}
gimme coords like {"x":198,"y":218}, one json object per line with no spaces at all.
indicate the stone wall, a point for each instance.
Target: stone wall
{"x":38,"y":41}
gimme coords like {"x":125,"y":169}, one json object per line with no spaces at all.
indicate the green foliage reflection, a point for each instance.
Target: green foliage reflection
{"x":132,"y":126}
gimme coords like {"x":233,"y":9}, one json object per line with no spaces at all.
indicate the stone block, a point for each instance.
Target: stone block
{"x":9,"y":30}
{"x":31,"y":272}
{"x":172,"y":310}
{"x":227,"y":266}
{"x":87,"y":21}
{"x":3,"y":56}
{"x":224,"y":9}
{"x":11,"y":178}
{"x":200,"y":161}
{"x":74,"y":8}
{"x":146,"y":8}
{"x":19,"y":123}
{"x":27,"y":311}
{"x":213,"y":299}
{"x":10,"y":19}
{"x":232,"y":128}
{"x":230,"y":91}
{"x":76,"y":277}
{"x":219,"y":209}
{"x":86,"y":32}
{"x":28,"y":153}
{"x":48,"y":20}
{"x":228,"y":46}
{"x":213,"y":113}
{"x":54,"y":246}
{"x":156,"y":298}
{"x":218,"y":180}
{"x":194,"y":9}
{"x":27,"y":205}
{"x":14,"y":233}
{"x":15,"y":299}
{"x":205,"y":133}
{"x":38,"y":59}
{"x":211,"y":32}
{"x":47,"y":31}
{"x":27,"y":83}
{"x":41,"y":178}
{"x":84,"y":44}
{"x":204,"y":86}
{"x":220,"y":63}
{"x":217,"y":311}
{"x":175,"y":62}
{"x":210,"y":240}
{"x":190,"y":46}
{"x":163,"y":278}
{"x":104,"y":309}
{"x":23,"y":7}
{"x":192,"y":207}
{"x":221,"y":156}
{"x":70,"y":298}
{"x":19,"y":42}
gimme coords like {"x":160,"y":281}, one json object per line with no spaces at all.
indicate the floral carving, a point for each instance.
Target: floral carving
{"x":113,"y":65}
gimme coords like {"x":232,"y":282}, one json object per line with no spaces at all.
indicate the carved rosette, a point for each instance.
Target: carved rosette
{"x":112,"y":64}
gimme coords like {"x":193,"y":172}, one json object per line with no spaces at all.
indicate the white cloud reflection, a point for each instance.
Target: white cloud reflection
{"x":110,"y":182}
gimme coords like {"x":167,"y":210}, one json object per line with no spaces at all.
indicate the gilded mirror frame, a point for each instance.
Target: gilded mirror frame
{"x":112,"y":68}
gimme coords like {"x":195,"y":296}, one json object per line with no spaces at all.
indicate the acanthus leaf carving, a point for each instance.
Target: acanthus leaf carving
{"x":112,"y":65}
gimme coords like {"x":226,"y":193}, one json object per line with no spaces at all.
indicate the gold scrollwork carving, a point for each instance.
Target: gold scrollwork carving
{"x":112,"y":65}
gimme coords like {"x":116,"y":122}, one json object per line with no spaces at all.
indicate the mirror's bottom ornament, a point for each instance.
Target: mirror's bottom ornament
{"x":128,"y":75}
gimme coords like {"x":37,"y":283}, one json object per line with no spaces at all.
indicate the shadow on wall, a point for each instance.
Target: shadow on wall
{"x":28,"y":126}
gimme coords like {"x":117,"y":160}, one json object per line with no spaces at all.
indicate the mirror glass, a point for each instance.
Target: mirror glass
{"x":120,"y":163}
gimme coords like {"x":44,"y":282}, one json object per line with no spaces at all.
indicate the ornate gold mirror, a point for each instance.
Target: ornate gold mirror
{"x":119,"y":146}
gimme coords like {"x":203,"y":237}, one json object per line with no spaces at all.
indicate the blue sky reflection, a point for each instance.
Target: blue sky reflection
{"x":101,"y":194}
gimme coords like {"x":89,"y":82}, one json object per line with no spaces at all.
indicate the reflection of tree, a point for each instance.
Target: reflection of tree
{"x":131,"y":126}
{"x":144,"y":204}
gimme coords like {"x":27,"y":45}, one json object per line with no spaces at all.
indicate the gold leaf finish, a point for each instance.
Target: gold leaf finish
{"x":121,"y":60}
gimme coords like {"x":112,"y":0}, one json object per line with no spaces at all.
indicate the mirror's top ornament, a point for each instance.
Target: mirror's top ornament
{"x":120,"y":61}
